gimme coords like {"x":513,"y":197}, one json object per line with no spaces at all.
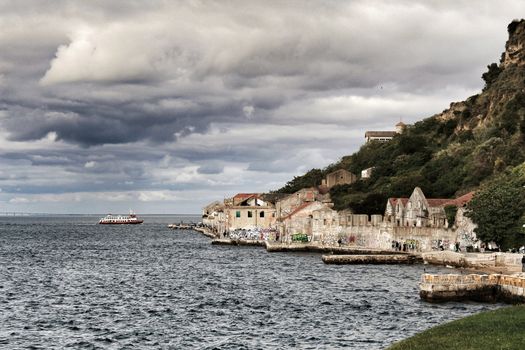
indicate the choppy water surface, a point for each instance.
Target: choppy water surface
{"x":69,"y":283}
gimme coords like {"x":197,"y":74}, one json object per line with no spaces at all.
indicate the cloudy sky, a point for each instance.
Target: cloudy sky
{"x":163,"y":106}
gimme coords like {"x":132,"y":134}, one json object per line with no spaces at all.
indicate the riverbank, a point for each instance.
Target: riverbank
{"x":502,"y":263}
{"x":499,"y":329}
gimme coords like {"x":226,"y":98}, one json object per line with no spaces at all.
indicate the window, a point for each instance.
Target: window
{"x":249,"y":213}
{"x":261,"y":214}
{"x":238,"y":214}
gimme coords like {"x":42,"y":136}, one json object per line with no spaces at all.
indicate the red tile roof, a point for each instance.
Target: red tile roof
{"x":245,"y":195}
{"x":437,"y":202}
{"x":462,"y":200}
{"x":298,"y":209}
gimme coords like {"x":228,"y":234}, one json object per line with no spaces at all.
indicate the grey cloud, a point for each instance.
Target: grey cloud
{"x":211,"y":168}
{"x":129,"y":87}
{"x":341,"y":47}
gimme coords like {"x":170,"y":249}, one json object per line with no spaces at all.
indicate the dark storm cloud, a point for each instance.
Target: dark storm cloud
{"x":211,"y":168}
{"x":227,"y":64}
{"x":121,"y":95}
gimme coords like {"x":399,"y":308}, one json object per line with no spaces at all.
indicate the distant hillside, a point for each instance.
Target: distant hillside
{"x":447,"y":154}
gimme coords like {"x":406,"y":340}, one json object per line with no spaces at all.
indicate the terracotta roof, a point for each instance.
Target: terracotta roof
{"x":401,"y":124}
{"x":245,"y":195}
{"x":437,"y":202}
{"x":380,"y":134}
{"x":462,"y":200}
{"x":298,"y":209}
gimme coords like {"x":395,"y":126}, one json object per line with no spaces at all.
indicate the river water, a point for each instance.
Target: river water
{"x":66,"y":282}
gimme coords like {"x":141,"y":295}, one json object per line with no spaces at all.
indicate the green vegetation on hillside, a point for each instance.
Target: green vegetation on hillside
{"x":310,"y":179}
{"x":498,"y":209}
{"x":447,"y":155}
{"x":499,"y":329}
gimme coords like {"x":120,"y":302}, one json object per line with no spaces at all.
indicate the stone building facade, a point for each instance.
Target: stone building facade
{"x":385,"y":136}
{"x":418,"y":211}
{"x":214,"y":216}
{"x":300,"y":220}
{"x":367,"y":173}
{"x":339,"y":177}
{"x":243,"y":211}
{"x":416,"y":223}
{"x":291,"y":202}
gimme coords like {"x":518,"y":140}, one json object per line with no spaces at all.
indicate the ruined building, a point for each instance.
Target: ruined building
{"x":338,"y":177}
{"x":384,"y":136}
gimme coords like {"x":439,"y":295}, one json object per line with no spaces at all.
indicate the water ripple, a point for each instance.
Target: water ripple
{"x":73,"y":284}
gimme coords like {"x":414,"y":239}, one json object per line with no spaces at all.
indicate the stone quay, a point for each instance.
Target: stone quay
{"x":476,"y":287}
{"x":370,"y":259}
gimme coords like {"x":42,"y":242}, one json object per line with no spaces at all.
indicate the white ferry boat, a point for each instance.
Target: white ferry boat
{"x":131,"y":219}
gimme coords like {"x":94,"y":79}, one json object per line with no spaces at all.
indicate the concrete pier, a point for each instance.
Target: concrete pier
{"x":237,"y":242}
{"x":369,"y":259}
{"x":314,"y":248}
{"x":205,"y":232}
{"x":488,"y":288}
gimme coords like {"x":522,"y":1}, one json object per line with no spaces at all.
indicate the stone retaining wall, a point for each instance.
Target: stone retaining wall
{"x":369,"y":259}
{"x":491,"y":288}
{"x":240,"y":242}
{"x":320,"y":248}
{"x":510,"y":261}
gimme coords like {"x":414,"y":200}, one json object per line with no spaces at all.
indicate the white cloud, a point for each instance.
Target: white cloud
{"x":172,"y":97}
{"x":248,"y":111}
{"x":52,"y":136}
{"x":17,"y":200}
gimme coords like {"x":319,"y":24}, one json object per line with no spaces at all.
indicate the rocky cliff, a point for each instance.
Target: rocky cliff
{"x":448,"y":154}
{"x":500,"y":103}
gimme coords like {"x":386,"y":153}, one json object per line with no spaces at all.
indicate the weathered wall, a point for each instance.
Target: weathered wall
{"x":340,"y":177}
{"x":330,"y":227}
{"x":510,"y":288}
{"x":245,"y":221}
{"x":425,"y":238}
{"x":301,"y":221}
{"x":289,"y":203}
{"x":465,"y":230}
{"x":511,"y":261}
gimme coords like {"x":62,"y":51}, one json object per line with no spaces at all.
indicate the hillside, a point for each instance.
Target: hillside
{"x":447,"y":154}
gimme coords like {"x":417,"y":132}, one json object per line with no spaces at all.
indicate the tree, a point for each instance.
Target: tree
{"x":491,"y":74}
{"x":310,"y":179}
{"x":498,"y":207}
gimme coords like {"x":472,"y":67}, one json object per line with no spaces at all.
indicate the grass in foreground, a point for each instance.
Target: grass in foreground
{"x":499,"y":329}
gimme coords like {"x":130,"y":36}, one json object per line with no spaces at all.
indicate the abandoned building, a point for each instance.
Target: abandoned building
{"x":366,"y":173}
{"x":339,"y":177}
{"x":242,"y":211}
{"x":419,"y":211}
{"x":384,"y":136}
{"x":417,"y":223}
